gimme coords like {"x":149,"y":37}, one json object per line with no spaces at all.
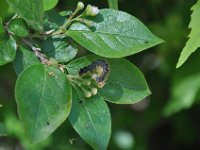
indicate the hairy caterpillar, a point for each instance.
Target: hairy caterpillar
{"x":98,"y":70}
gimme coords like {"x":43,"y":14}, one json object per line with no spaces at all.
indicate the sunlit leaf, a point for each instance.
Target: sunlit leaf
{"x":194,"y":41}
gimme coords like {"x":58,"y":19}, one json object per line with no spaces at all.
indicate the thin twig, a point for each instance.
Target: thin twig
{"x":37,"y":52}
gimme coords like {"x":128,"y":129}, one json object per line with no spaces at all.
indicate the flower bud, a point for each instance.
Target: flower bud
{"x":87,"y":94}
{"x":88,"y":23}
{"x":80,"y":6}
{"x":88,"y":83}
{"x":94,"y":91}
{"x":92,"y":11}
{"x":94,"y":76}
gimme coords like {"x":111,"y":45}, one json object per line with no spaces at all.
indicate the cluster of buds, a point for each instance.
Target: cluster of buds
{"x":89,"y":11}
{"x":92,"y":77}
{"x":88,"y":86}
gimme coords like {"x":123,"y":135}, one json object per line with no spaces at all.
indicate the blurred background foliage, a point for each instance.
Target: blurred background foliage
{"x":168,"y":119}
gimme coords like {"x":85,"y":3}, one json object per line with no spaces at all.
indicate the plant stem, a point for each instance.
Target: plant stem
{"x":37,"y":52}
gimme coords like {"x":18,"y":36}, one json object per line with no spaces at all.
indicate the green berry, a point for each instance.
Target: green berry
{"x":80,"y":6}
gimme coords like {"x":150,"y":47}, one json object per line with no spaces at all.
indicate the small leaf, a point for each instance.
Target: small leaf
{"x":194,"y":41}
{"x":7,"y":51}
{"x":114,"y":34}
{"x":125,"y":84}
{"x":3,"y":131}
{"x":24,"y":58}
{"x":113,"y":4}
{"x":43,"y":96}
{"x":65,"y":13}
{"x":49,"y":4}
{"x":30,"y":10}
{"x":60,"y":48}
{"x":18,"y":27}
{"x":91,"y":119}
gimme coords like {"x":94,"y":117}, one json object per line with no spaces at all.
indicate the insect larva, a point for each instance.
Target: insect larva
{"x":99,"y":71}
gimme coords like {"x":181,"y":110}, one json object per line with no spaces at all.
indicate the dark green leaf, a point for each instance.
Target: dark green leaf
{"x":113,"y":4}
{"x":30,"y":10}
{"x":24,"y":58}
{"x":125,"y":84}
{"x":3,"y":131}
{"x":49,"y":4}
{"x":18,"y":27}
{"x":60,"y":48}
{"x":43,"y":97}
{"x":1,"y":26}
{"x":5,"y":10}
{"x":114,"y":34}
{"x":91,"y":119}
{"x":53,"y":20}
{"x":7,"y":51}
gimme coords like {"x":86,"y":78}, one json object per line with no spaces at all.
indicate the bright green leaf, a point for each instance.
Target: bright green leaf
{"x":60,"y":48}
{"x":18,"y":27}
{"x":30,"y":10}
{"x":113,"y":4}
{"x":91,"y":119}
{"x":49,"y":4}
{"x":185,"y":87}
{"x":125,"y":84}
{"x":114,"y":34}
{"x":24,"y":58}
{"x":7,"y":51}
{"x":194,"y":41}
{"x":43,"y":97}
{"x":3,"y":131}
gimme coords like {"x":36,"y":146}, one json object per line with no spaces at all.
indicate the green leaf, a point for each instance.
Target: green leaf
{"x":53,"y":20}
{"x":1,"y":26}
{"x":194,"y":41}
{"x":43,"y":96}
{"x":3,"y":131}
{"x":60,"y":48}
{"x":5,"y":10}
{"x":185,"y":87}
{"x":30,"y":10}
{"x":49,"y":4}
{"x":18,"y":27}
{"x":91,"y":119}
{"x":24,"y":58}
{"x":7,"y":51}
{"x":114,"y":34}
{"x":125,"y":84}
{"x":113,"y":4}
